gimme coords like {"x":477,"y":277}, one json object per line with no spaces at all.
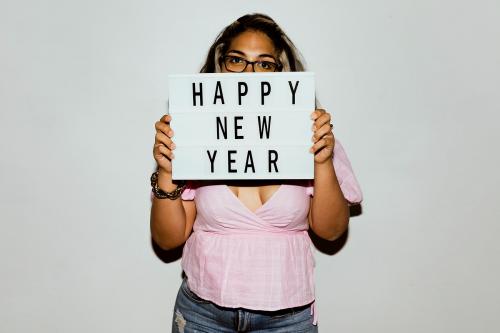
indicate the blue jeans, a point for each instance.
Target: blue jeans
{"x":194,"y":314}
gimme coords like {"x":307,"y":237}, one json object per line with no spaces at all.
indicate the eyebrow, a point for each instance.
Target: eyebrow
{"x":260,"y":55}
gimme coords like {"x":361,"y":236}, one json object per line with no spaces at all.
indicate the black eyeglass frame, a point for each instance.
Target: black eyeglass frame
{"x":278,"y":68}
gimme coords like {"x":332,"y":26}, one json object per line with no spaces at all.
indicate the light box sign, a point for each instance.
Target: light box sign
{"x":242,"y":125}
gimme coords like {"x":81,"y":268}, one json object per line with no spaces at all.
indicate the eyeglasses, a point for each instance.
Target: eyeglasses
{"x":238,"y":65}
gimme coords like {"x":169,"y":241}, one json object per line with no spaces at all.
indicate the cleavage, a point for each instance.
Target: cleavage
{"x":254,"y":197}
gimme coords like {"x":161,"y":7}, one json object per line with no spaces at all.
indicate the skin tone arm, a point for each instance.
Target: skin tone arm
{"x":171,"y":220}
{"x":329,"y":212}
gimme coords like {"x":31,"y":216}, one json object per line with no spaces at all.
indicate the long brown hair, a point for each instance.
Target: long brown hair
{"x":288,"y":55}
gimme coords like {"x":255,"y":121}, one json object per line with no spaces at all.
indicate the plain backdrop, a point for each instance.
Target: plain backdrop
{"x":413,"y":87}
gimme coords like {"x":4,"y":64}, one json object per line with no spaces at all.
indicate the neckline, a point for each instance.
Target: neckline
{"x":245,"y":206}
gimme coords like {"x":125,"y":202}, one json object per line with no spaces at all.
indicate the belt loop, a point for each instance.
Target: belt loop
{"x":242,"y":322}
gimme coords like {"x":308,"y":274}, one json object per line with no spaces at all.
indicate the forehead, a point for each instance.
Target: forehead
{"x":253,"y":43}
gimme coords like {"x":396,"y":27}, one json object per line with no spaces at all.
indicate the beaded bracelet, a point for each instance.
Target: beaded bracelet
{"x":160,"y":194}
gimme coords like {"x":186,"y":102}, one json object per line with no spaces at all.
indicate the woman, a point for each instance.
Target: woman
{"x":247,"y":258}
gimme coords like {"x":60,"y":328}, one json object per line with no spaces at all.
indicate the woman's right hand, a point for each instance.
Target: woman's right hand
{"x":162,"y":150}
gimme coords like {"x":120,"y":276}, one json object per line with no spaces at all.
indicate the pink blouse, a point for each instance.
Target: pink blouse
{"x":259,"y":260}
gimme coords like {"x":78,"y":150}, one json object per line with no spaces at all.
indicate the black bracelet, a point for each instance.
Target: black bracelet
{"x":160,"y":194}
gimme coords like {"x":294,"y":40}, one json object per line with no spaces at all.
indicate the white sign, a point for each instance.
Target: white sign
{"x":242,"y":125}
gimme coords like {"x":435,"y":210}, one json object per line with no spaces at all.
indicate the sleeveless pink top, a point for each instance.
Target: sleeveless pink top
{"x":260,"y":260}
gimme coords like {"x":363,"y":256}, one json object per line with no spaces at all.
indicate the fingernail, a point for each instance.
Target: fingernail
{"x":173,"y":146}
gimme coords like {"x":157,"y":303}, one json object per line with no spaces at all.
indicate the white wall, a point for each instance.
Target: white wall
{"x":414,"y":90}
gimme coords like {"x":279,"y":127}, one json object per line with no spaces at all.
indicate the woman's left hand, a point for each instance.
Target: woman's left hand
{"x":323,"y":138}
